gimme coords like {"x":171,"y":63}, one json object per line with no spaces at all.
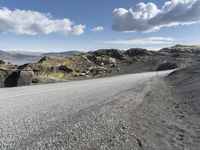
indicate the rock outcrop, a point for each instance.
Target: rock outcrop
{"x":136,"y":52}
{"x":12,"y":78}
{"x":114,"y":53}
{"x":2,"y":62}
{"x":103,"y":62}
{"x":167,"y":66}
{"x":182,"y":49}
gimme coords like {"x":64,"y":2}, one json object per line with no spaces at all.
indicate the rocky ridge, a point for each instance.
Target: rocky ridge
{"x":107,"y":62}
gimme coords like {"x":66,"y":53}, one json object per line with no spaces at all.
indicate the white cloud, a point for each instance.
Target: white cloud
{"x":98,"y":29}
{"x":78,"y":29}
{"x":148,"y":17}
{"x":150,"y":41}
{"x":32,"y":23}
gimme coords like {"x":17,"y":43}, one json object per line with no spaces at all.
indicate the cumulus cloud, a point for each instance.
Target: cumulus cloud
{"x":32,"y":23}
{"x":78,"y":29}
{"x":148,"y":17}
{"x":149,"y":41}
{"x":98,"y":29}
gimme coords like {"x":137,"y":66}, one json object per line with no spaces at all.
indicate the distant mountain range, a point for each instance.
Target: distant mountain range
{"x":25,"y":56}
{"x":5,"y":55}
{"x":62,"y":54}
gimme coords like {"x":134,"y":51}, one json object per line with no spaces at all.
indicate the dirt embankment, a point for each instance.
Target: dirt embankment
{"x":169,"y":118}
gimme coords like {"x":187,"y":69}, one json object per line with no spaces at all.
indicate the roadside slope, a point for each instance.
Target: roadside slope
{"x":169,"y":117}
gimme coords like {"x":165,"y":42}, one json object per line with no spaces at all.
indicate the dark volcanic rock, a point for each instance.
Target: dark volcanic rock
{"x":182,"y":49}
{"x":185,"y":72}
{"x":65,"y":69}
{"x":136,"y":52}
{"x":12,"y":78}
{"x":2,"y":62}
{"x":110,"y":52}
{"x":52,"y":59}
{"x":35,"y":67}
{"x":167,"y":66}
{"x":104,"y":62}
{"x":45,"y":58}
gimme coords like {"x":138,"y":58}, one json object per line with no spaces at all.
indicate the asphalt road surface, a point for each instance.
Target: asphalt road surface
{"x":45,"y":116}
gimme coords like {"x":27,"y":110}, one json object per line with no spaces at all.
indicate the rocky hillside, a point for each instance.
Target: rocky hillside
{"x":109,"y":62}
{"x":182,"y":49}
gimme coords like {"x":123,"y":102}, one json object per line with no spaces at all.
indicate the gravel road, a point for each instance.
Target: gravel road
{"x":89,"y":114}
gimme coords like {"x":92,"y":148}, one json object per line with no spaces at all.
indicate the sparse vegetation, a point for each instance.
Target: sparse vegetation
{"x":109,"y":62}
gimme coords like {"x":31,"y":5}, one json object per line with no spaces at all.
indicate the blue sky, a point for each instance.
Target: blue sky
{"x":152,"y":34}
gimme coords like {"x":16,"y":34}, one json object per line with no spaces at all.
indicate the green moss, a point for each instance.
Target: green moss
{"x":112,"y":61}
{"x":54,"y":74}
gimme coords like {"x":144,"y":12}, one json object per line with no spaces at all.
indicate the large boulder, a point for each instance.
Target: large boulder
{"x":12,"y":78}
{"x":167,"y":66}
{"x":65,"y":69}
{"x":2,"y":62}
{"x":95,"y":70}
